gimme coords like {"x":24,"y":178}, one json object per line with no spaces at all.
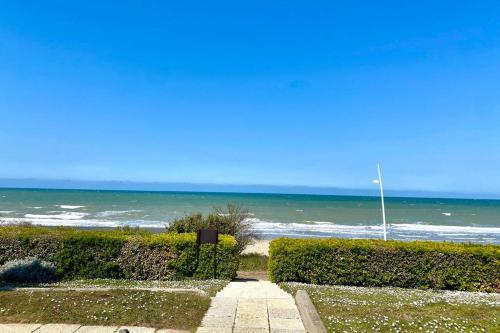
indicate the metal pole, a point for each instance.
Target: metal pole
{"x":382,"y":199}
{"x":215,"y":261}
{"x":215,"y":253}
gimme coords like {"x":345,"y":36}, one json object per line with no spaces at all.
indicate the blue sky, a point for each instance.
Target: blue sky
{"x":257,"y":92}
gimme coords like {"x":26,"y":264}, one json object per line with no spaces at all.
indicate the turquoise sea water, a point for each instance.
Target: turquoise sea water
{"x":273,"y":215}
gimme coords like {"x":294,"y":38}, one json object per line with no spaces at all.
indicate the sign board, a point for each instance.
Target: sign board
{"x":205,"y":236}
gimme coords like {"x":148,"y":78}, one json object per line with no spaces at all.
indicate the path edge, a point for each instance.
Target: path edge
{"x":308,"y":313}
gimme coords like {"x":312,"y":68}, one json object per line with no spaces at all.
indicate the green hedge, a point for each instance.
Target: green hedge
{"x":118,"y":253}
{"x":435,"y":265}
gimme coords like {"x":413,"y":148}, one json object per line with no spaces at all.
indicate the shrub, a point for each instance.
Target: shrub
{"x":119,"y":253}
{"x":90,"y":255}
{"x":231,"y":220}
{"x":173,"y":256}
{"x":436,"y":265}
{"x":27,"y":270}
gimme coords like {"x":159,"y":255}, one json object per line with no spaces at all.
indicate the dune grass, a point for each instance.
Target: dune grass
{"x":253,"y":262}
{"x":175,"y":310}
{"x":356,"y":309}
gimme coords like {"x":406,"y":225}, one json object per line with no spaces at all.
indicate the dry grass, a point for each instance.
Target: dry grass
{"x":253,"y":262}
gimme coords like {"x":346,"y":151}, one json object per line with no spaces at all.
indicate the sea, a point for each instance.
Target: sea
{"x":271,"y":215}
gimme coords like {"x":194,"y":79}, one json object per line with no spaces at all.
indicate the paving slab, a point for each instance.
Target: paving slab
{"x":97,"y":329}
{"x":214,"y":330}
{"x":248,"y":311}
{"x":137,"y":329}
{"x":294,"y":325}
{"x":219,"y":300}
{"x":18,"y":328}
{"x":252,"y":314}
{"x":281,"y":304}
{"x":253,"y":307}
{"x":250,"y":330}
{"x":279,"y":330}
{"x":227,"y":321}
{"x":287,"y":313}
{"x":251,"y":322}
{"x":168,"y":330}
{"x":221,"y":312}
{"x":58,"y":328}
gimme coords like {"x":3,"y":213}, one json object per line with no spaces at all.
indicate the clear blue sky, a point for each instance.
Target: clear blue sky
{"x":253,"y":92}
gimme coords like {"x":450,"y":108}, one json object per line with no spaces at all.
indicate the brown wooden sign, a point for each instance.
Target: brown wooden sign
{"x":206,"y":236}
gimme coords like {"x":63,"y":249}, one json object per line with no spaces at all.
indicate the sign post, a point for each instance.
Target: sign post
{"x":206,"y":236}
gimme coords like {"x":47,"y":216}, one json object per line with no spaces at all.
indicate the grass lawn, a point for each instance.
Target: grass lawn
{"x":355,"y":309}
{"x":253,"y":263}
{"x":158,"y":309}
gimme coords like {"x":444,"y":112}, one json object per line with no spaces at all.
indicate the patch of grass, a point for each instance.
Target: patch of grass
{"x":211,"y":287}
{"x":253,"y":262}
{"x":115,"y":307}
{"x":357,"y":309}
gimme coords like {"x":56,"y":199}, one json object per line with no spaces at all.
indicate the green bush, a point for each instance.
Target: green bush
{"x":434,"y":265}
{"x":89,"y":255}
{"x":27,"y":270}
{"x":120,"y":253}
{"x":231,"y":220}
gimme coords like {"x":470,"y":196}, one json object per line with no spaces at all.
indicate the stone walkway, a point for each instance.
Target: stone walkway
{"x":68,"y":328}
{"x":252,"y":307}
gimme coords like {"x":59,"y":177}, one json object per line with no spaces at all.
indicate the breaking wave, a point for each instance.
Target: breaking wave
{"x":70,"y":206}
{"x":273,"y":229}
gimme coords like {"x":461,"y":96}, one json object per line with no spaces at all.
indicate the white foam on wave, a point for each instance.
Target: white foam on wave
{"x":446,"y":214}
{"x":405,"y":230}
{"x":62,"y":216}
{"x":446,"y":228}
{"x":408,"y":231}
{"x":311,"y":227}
{"x":70,"y":206}
{"x":52,"y":222}
{"x":6,"y":211}
{"x":108,"y":213}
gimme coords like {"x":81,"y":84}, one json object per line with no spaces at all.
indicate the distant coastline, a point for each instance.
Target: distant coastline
{"x":116,"y":185}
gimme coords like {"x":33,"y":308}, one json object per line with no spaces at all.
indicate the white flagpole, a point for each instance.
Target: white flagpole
{"x":382,"y":199}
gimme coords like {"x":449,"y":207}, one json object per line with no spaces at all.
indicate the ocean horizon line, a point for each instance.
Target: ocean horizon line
{"x":186,"y":187}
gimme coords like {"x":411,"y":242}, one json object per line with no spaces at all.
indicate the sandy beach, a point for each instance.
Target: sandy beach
{"x":258,"y":247}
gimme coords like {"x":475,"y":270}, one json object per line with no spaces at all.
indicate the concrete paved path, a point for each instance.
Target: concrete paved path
{"x":252,"y":307}
{"x":69,"y":328}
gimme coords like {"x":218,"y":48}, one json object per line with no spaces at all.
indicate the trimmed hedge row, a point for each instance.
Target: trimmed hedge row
{"x":119,"y":253}
{"x":419,"y":264}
